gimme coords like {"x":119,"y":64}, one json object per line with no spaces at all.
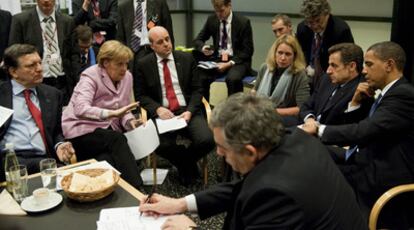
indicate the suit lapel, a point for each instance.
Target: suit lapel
{"x":155,"y":75}
{"x":179,"y":68}
{"x":45,"y":108}
{"x":36,"y":31}
{"x":60,"y":26}
{"x":129,"y":16}
{"x":6,"y":101}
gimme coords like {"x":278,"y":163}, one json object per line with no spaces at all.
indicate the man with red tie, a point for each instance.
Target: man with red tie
{"x":34,"y":127}
{"x":168,"y":86}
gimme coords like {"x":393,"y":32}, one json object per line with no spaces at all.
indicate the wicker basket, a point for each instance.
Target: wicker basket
{"x":89,"y":196}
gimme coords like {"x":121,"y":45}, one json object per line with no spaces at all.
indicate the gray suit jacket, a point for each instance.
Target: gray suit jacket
{"x":157,"y":11}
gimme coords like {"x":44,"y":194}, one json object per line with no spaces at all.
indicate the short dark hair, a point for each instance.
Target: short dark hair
{"x":14,"y":52}
{"x":285,"y":19}
{"x":389,"y":50}
{"x":220,"y":3}
{"x":248,"y":119}
{"x":349,"y":52}
{"x":83,"y":33}
{"x":315,"y":8}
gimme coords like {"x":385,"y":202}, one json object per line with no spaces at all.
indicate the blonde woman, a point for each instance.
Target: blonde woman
{"x":282,"y":78}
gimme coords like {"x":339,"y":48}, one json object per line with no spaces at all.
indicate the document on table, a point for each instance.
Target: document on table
{"x":143,"y":140}
{"x":5,"y":113}
{"x":172,"y":124}
{"x":127,"y":218}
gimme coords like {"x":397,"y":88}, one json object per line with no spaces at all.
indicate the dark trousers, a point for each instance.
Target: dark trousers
{"x":112,"y":146}
{"x":234,"y":79}
{"x":62,"y":84}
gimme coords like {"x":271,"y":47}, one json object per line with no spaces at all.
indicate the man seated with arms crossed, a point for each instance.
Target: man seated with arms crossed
{"x":329,"y":101}
{"x":381,"y":146}
{"x":288,"y":179}
{"x":35,"y":126}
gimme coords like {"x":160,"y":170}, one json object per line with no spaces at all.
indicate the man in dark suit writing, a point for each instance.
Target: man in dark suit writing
{"x":381,"y":145}
{"x":167,"y":85}
{"x":289,"y":180}
{"x":34,"y":127}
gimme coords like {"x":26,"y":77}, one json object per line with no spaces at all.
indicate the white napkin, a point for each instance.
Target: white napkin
{"x":8,"y":206}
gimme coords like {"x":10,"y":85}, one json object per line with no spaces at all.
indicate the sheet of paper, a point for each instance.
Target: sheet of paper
{"x":172,"y":124}
{"x":8,"y":206}
{"x":5,"y":113}
{"x":147,"y":176}
{"x":127,"y":218}
{"x":99,"y":164}
{"x":143,"y":140}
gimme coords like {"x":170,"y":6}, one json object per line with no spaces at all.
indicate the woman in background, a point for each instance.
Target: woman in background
{"x":282,"y":78}
{"x":99,"y":112}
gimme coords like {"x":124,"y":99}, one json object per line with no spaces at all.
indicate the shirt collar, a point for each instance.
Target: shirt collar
{"x":19,"y":88}
{"x":229,"y":18}
{"x":43,"y":16}
{"x":388,"y":86}
{"x":160,"y":59}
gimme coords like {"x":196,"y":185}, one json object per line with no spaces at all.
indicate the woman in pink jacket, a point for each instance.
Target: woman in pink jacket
{"x":99,"y":112}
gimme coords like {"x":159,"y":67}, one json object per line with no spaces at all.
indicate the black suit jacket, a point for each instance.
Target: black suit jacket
{"x":385,"y":140}
{"x":5,"y":19}
{"x":332,"y":110}
{"x":147,"y":86}
{"x":241,"y":38}
{"x":107,"y":22}
{"x":51,"y":103}
{"x":337,"y":31}
{"x":157,"y":11}
{"x":296,"y":186}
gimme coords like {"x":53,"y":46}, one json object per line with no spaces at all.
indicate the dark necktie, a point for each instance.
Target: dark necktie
{"x":169,"y":89}
{"x":316,"y":51}
{"x":224,"y":36}
{"x":83,"y":59}
{"x":36,"y":114}
{"x":137,"y":26}
{"x":374,"y":106}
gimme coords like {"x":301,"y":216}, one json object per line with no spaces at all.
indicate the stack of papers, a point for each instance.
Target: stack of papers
{"x":168,"y":125}
{"x":207,"y":64}
{"x":127,"y":219}
{"x":5,"y":114}
{"x":143,"y":140}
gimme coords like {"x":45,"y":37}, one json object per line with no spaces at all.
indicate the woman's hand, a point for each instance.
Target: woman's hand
{"x":122,"y":111}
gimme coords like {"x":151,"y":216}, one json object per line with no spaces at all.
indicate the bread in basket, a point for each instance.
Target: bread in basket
{"x":90,"y":184}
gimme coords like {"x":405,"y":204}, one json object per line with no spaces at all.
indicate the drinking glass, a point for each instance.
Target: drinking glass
{"x":48,"y":173}
{"x":18,"y":178}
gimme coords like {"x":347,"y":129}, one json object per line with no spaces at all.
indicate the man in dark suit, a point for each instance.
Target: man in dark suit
{"x":329,"y":101}
{"x":232,"y":47}
{"x":88,"y":53}
{"x":5,"y":19}
{"x":381,"y":146}
{"x":51,"y":33}
{"x":319,"y":31}
{"x":166,"y":84}
{"x":289,"y":181}
{"x":35,"y":135}
{"x":100,"y":15}
{"x":135,"y":35}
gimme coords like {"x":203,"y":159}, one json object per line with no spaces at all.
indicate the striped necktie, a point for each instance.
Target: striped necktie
{"x":51,"y":47}
{"x":137,"y":26}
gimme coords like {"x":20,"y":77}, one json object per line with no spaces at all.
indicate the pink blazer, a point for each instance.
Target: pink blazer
{"x":93,"y":94}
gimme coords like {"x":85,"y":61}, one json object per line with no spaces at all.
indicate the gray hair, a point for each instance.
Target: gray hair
{"x":315,"y":8}
{"x":389,"y":50}
{"x":248,"y":119}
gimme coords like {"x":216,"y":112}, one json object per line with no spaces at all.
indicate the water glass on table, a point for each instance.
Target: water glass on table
{"x":48,"y":173}
{"x":18,"y":178}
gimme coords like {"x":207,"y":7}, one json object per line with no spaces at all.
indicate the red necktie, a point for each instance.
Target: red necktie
{"x":169,"y":89}
{"x":36,"y":114}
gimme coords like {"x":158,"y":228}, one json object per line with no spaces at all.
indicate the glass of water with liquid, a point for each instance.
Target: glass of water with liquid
{"x":48,"y":173}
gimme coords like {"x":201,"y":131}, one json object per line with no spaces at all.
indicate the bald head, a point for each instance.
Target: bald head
{"x":160,"y":41}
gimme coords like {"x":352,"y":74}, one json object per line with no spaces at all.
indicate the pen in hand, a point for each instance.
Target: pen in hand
{"x":148,"y":198}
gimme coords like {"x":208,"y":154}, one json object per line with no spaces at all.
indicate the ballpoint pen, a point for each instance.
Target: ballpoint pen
{"x":149,"y":197}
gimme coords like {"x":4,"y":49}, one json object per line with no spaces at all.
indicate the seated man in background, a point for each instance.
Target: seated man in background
{"x":88,"y":52}
{"x":232,"y":47}
{"x":34,"y":127}
{"x":381,"y":145}
{"x":289,"y":180}
{"x":281,"y":24}
{"x":329,"y":101}
{"x":169,"y":86}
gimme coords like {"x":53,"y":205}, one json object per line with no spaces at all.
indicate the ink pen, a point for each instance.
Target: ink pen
{"x":149,"y":197}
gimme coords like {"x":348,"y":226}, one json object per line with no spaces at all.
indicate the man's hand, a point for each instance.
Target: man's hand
{"x":159,"y":204}
{"x":310,"y":126}
{"x":65,"y":151}
{"x":122,"y":111}
{"x":363,"y":90}
{"x":186,"y":115}
{"x":178,"y":222}
{"x":223,"y":66}
{"x":164,"y":113}
{"x":207,"y":50}
{"x":86,"y":4}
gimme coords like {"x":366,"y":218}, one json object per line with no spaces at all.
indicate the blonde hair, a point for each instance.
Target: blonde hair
{"x":298,"y":59}
{"x":112,"y":50}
